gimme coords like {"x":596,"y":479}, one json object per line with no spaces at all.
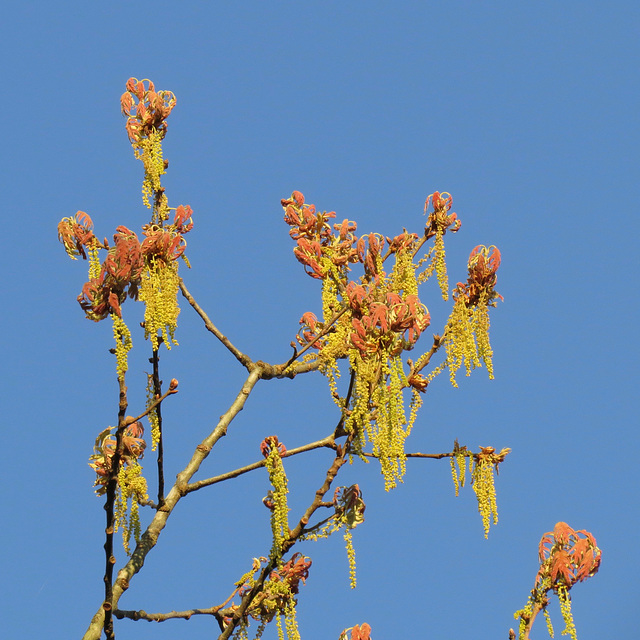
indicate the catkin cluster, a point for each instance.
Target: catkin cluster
{"x":159,"y":291}
{"x":132,"y":487}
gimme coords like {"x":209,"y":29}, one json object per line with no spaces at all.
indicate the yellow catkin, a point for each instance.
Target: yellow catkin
{"x":441,"y":265}
{"x":330,"y":303}
{"x":567,"y":615}
{"x":279,"y":625}
{"x":423,"y":276}
{"x":403,"y":275}
{"x":122,"y":336}
{"x":280,"y":511}
{"x":94,"y":261}
{"x":547,"y":619}
{"x":131,"y":487}
{"x":149,"y":150}
{"x":523,"y":616}
{"x":290,"y":620}
{"x":242,"y":631}
{"x":351,"y":554}
{"x":159,"y":291}
{"x":454,"y":475}
{"x":462,"y":466}
{"x":460,"y":342}
{"x":484,"y":488}
{"x":481,"y":330}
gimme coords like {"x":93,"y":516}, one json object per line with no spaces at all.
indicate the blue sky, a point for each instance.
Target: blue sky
{"x":525,"y":112}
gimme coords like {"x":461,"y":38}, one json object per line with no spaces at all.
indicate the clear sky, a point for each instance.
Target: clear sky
{"x":527,"y":112}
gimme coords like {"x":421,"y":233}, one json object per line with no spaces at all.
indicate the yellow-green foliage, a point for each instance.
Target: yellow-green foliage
{"x":131,"y":487}
{"x":122,"y":336}
{"x":159,"y":291}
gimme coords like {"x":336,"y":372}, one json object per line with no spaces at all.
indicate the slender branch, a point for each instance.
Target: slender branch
{"x":425,"y":359}
{"x":161,"y":617}
{"x":157,"y":391}
{"x":286,"y":370}
{"x":109,"y":507}
{"x":244,"y":359}
{"x":169,"y":392}
{"x":433,"y":456}
{"x":194,"y":486}
{"x":150,"y":536}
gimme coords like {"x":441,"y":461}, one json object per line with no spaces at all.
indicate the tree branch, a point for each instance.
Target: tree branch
{"x":157,"y":391}
{"x":152,"y":533}
{"x":239,"y":612}
{"x":194,"y":486}
{"x":244,"y":359}
{"x":161,"y":617}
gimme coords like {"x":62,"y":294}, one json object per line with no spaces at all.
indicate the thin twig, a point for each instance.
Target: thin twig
{"x":194,"y":486}
{"x":323,"y":333}
{"x":161,"y":617}
{"x":157,"y":391}
{"x":109,"y":507}
{"x":244,"y":359}
{"x":149,"y":409}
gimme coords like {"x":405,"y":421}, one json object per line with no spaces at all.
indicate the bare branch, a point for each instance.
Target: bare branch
{"x":161,"y":617}
{"x":194,"y":486}
{"x":169,"y":392}
{"x":244,"y":359}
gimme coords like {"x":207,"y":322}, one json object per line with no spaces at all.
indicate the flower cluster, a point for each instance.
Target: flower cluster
{"x":467,"y":335}
{"x":146,"y":109}
{"x":438,"y":222}
{"x":481,"y":467}
{"x":76,"y":234}
{"x":370,"y":321}
{"x":133,"y":446}
{"x":479,"y":289}
{"x":567,"y":556}
{"x":318,"y":248}
{"x":132,"y":486}
{"x":486,"y":462}
{"x":147,"y":269}
{"x":348,"y":513}
{"x":277,"y":596}
{"x":121,"y":273}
